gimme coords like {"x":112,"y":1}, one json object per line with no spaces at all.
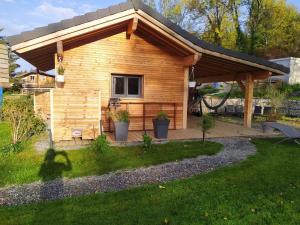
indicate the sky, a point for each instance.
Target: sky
{"x":22,"y":15}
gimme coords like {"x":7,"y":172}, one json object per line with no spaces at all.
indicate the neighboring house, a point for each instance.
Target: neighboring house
{"x":293,"y":77}
{"x":131,"y":52}
{"x":4,"y":76}
{"x":36,"y":81}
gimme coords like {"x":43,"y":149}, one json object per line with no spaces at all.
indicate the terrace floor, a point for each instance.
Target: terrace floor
{"x":221,"y":129}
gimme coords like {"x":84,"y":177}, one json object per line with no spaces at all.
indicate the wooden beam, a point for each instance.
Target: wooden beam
{"x":242,"y":85}
{"x":185,"y":96}
{"x":191,"y":60}
{"x":259,"y":75}
{"x":132,"y":26}
{"x":248,"y":100}
{"x":217,"y":78}
{"x":60,"y":51}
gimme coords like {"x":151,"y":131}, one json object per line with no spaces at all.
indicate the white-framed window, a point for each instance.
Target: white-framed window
{"x":32,"y":78}
{"x":128,"y":86}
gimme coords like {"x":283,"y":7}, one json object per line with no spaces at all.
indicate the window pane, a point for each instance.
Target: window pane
{"x":119,"y":85}
{"x":133,"y":85}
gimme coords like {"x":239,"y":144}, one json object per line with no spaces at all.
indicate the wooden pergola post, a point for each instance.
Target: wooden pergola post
{"x":188,"y":61}
{"x":248,"y":100}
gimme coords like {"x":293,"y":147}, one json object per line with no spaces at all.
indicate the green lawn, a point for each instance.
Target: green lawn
{"x":265,"y":189}
{"x":26,"y":167}
{"x":4,"y":134}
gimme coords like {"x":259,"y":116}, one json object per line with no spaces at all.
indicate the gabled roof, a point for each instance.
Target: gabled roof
{"x":136,"y":5}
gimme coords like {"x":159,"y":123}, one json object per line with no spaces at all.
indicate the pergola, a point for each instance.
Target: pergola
{"x":212,"y":63}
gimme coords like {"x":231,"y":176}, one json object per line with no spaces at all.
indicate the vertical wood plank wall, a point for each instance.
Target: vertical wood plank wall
{"x":4,"y":77}
{"x":42,"y":104}
{"x":75,"y":109}
{"x":90,"y":67}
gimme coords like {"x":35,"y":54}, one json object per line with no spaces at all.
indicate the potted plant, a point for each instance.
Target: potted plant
{"x":121,"y":124}
{"x":161,"y":125}
{"x":192,"y":84}
{"x":60,"y":74}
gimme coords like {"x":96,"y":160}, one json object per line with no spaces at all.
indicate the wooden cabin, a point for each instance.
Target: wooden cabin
{"x":36,"y":81}
{"x":131,"y":52}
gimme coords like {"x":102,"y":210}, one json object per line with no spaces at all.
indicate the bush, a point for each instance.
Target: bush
{"x":277,"y":98}
{"x":120,"y":116}
{"x":162,"y":116}
{"x":147,"y":141}
{"x":208,"y":90}
{"x":101,"y":144}
{"x":24,"y":124}
{"x":12,"y":148}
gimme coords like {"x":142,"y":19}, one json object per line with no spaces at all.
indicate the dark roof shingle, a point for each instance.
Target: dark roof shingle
{"x":137,"y":4}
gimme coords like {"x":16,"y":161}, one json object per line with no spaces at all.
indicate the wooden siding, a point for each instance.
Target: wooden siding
{"x":75,"y":109}
{"x":90,"y":67}
{"x":42,"y":104}
{"x":4,"y":77}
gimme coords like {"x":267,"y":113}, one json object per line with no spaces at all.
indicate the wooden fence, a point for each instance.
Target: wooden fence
{"x":73,"y":109}
{"x":142,"y":113}
{"x":42,"y":104}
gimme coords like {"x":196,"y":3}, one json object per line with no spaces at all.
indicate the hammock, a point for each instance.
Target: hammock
{"x":199,"y":98}
{"x":220,"y":104}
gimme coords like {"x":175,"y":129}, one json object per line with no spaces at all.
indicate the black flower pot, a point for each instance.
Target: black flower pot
{"x":121,"y":131}
{"x":161,"y":128}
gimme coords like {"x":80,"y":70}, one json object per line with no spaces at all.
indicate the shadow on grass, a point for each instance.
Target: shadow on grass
{"x":51,"y":172}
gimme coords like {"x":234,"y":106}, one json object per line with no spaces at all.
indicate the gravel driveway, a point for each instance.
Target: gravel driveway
{"x":235,"y":150}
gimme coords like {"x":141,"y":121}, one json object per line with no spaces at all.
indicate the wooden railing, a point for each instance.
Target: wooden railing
{"x":149,"y":112}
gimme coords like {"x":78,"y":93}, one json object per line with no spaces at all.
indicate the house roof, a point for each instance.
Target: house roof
{"x":139,"y":6}
{"x":33,"y":72}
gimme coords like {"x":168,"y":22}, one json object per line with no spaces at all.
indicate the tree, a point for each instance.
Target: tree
{"x":151,"y":3}
{"x":214,"y":13}
{"x":207,"y":122}
{"x":277,"y":99}
{"x":273,"y":26}
{"x":240,"y":40}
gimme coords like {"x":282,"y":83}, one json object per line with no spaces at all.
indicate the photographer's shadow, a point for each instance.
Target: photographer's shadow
{"x":51,"y":172}
{"x":52,"y":188}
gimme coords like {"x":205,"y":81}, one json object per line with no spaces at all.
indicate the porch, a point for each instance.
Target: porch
{"x":193,"y":131}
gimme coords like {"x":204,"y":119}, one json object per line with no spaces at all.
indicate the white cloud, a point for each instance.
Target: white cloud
{"x":12,"y":27}
{"x":9,"y":0}
{"x":56,"y":12}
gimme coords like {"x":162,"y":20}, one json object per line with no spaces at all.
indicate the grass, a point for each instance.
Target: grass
{"x":265,"y":189}
{"x":27,"y":166}
{"x":5,"y":137}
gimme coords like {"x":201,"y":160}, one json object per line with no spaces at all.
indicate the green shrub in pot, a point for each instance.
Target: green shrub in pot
{"x":161,"y":125}
{"x":121,"y":124}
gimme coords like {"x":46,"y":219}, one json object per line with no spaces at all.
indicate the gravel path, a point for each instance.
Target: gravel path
{"x":235,"y":150}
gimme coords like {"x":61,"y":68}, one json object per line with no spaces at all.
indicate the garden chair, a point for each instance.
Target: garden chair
{"x":257,"y":111}
{"x":289,"y":132}
{"x":267,"y":110}
{"x":229,"y":110}
{"x":239,"y":110}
